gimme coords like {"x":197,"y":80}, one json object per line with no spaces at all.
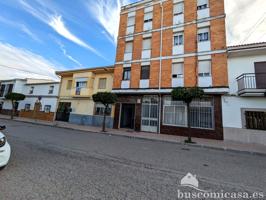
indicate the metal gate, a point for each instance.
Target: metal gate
{"x":149,"y":115}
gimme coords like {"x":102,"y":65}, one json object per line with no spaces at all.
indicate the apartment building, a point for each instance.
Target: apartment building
{"x":244,"y":107}
{"x":167,"y":44}
{"x":41,"y":99}
{"x":75,"y":97}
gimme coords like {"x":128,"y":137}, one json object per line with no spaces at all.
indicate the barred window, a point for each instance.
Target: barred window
{"x":201,"y":113}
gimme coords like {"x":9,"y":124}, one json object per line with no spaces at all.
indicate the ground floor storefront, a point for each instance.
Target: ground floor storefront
{"x":161,"y":114}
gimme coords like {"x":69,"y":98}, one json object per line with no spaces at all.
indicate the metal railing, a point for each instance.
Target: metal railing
{"x":251,"y":81}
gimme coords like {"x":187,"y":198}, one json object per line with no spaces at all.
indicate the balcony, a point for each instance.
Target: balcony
{"x":252,"y":84}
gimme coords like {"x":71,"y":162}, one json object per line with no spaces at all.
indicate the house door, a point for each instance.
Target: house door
{"x":127,"y":116}
{"x":260,"y":70}
{"x":63,"y":111}
{"x":149,"y":114}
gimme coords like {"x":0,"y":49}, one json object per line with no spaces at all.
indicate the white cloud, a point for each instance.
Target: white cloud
{"x":21,"y":27}
{"x":245,"y":21}
{"x":20,"y":63}
{"x":47,"y":15}
{"x":107,"y":14}
{"x":58,"y":25}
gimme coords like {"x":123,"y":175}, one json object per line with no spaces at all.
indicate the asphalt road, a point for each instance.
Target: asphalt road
{"x":56,"y":163}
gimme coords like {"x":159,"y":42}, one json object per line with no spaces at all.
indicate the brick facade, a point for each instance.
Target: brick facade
{"x":190,"y":56}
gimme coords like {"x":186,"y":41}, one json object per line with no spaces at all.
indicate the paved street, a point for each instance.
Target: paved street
{"x":56,"y":163}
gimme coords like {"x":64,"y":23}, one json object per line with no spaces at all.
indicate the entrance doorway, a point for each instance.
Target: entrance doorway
{"x":149,"y":114}
{"x":63,"y":111}
{"x":127,"y":116}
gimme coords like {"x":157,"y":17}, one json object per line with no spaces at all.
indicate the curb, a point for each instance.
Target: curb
{"x":147,"y":139}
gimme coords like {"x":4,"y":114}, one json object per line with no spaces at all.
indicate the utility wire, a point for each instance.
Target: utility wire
{"x":23,"y":70}
{"x":253,"y":29}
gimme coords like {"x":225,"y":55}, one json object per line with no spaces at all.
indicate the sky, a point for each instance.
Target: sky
{"x":38,"y":37}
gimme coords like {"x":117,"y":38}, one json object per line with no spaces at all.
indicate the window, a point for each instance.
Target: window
{"x":51,"y":89}
{"x":126,"y":74}
{"x":145,"y":72}
{"x":102,"y":83}
{"x":202,"y":4}
{"x":148,"y":17}
{"x":129,"y":47}
{"x":179,"y":39}
{"x":177,"y":70}
{"x":99,"y":109}
{"x":27,"y":107}
{"x":201,"y":113}
{"x":31,"y":90}
{"x":47,"y":108}
{"x":130,"y":21}
{"x":179,"y":8}
{"x":204,"y":68}
{"x":203,"y":34}
{"x":255,"y":120}
{"x":82,"y":84}
{"x":146,"y":44}
{"x":79,"y":86}
{"x":174,"y":112}
{"x":10,"y":88}
{"x":69,"y":84}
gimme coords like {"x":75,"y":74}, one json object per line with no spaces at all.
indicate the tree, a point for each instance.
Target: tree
{"x":106,"y":98}
{"x":187,"y":95}
{"x":14,"y":98}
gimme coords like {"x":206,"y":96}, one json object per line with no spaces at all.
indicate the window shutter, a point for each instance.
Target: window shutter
{"x":147,"y":44}
{"x":129,"y":47}
{"x":202,"y":2}
{"x":131,"y":21}
{"x":178,"y":8}
{"x":204,"y":67}
{"x":204,"y":30}
{"x":148,"y":16}
{"x":177,"y":69}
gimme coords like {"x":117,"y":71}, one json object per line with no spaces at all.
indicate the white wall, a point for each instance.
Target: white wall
{"x":232,"y":105}
{"x":239,"y":65}
{"x":52,"y":101}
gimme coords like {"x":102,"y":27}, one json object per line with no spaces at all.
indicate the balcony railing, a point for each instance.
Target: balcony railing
{"x":251,"y":83}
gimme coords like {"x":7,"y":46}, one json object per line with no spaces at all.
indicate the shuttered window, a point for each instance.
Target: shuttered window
{"x":131,"y":21}
{"x":177,"y":70}
{"x":202,"y":4}
{"x":147,"y":44}
{"x":204,"y":68}
{"x":129,"y":47}
{"x":148,"y":17}
{"x":178,"y":8}
{"x":102,"y":83}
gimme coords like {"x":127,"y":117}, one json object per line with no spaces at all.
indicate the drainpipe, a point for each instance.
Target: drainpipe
{"x":160,"y":71}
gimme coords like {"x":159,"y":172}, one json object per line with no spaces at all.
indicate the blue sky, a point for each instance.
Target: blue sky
{"x":40,"y":36}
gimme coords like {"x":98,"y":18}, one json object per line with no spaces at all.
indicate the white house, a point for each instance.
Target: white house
{"x":7,"y":86}
{"x":34,"y":89}
{"x":244,"y":108}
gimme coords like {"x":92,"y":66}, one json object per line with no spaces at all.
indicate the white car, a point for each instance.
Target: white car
{"x":5,"y":151}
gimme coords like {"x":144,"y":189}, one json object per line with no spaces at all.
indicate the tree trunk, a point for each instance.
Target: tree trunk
{"x":104,"y":118}
{"x":189,"y":140}
{"x":13,"y":110}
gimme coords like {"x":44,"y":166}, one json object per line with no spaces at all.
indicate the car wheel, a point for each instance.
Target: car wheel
{"x":1,"y":168}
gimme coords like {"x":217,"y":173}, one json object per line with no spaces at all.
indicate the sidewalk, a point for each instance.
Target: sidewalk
{"x":204,"y":143}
